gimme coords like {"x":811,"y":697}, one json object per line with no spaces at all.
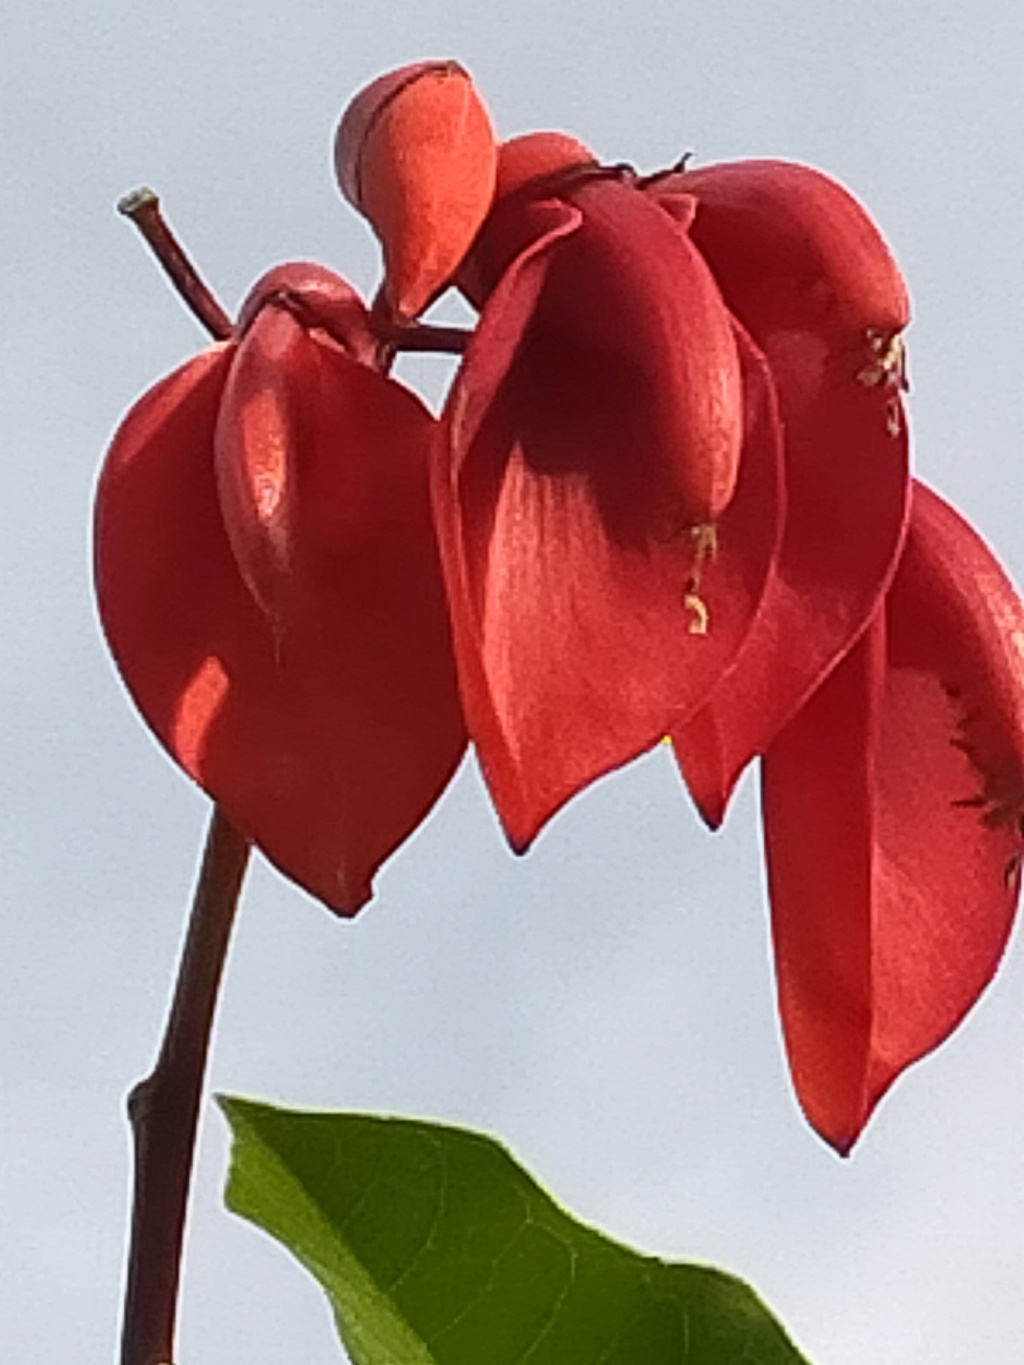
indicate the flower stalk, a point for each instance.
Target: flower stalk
{"x":164,"y":1108}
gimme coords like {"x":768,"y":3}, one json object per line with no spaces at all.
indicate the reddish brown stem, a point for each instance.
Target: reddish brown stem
{"x":164,"y":1108}
{"x":143,"y":208}
{"x":395,"y":334}
{"x":420,"y":336}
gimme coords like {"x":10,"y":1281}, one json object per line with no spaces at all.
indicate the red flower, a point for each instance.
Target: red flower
{"x":600,"y":399}
{"x":894,"y":825}
{"x":608,"y":491}
{"x":269,"y":584}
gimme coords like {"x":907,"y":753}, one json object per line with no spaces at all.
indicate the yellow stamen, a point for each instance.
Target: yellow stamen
{"x":705,"y":547}
{"x":693,"y":602}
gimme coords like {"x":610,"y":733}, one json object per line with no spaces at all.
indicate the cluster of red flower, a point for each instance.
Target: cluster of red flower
{"x":668,"y":496}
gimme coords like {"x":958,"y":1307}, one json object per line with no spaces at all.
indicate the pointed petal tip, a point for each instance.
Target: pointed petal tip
{"x":347,"y":904}
{"x":712,"y":814}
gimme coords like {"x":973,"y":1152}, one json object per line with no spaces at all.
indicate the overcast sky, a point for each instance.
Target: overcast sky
{"x":605,"y":1005}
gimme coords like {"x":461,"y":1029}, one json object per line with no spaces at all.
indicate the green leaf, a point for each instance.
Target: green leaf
{"x":436,"y":1248}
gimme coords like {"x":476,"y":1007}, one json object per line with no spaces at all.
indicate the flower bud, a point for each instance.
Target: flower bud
{"x":537,"y":156}
{"x":415,"y":153}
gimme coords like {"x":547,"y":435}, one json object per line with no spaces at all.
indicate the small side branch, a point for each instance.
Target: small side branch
{"x":421,"y":336}
{"x":164,"y":1108}
{"x":143,"y":208}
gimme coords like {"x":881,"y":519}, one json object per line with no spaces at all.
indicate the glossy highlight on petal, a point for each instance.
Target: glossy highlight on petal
{"x":318,"y":299}
{"x":416,"y":154}
{"x":256,"y":453}
{"x":893,"y":809}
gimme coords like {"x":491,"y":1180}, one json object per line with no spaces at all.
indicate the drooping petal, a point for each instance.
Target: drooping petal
{"x":818,"y":806}
{"x":416,"y":154}
{"x":893,"y":807}
{"x":328,"y":732}
{"x":577,"y":579}
{"x":807,"y":272}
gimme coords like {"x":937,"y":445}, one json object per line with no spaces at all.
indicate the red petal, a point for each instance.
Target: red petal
{"x":805,"y":269}
{"x":256,"y":454}
{"x":318,"y":299}
{"x":567,"y":567}
{"x":328,"y":738}
{"x":827,"y":263}
{"x":893,"y":807}
{"x":630,"y":291}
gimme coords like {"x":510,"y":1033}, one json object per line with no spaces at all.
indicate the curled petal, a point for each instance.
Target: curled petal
{"x":257,"y":451}
{"x":804,"y":268}
{"x":893,"y":809}
{"x":327,"y":733}
{"x":318,"y":299}
{"x":587,"y":609}
{"x":415,"y":152}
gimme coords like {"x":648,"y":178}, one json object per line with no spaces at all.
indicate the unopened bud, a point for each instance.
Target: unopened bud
{"x":536,"y":156}
{"x":415,"y":153}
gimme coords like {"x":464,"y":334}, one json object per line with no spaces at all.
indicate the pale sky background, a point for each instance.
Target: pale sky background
{"x":605,"y":1005}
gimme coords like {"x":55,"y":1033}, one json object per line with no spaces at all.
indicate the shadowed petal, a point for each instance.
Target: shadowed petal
{"x":892,"y":807}
{"x":803,"y":267}
{"x":328,"y":732}
{"x":572,"y":572}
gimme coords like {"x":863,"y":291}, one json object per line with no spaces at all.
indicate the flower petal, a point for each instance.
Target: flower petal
{"x":317,"y":298}
{"x":257,"y":455}
{"x":803,"y":267}
{"x":328,"y":733}
{"x":893,"y":805}
{"x":576,"y":583}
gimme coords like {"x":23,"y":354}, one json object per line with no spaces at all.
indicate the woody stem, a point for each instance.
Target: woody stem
{"x":420,"y":336}
{"x":164,"y":1108}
